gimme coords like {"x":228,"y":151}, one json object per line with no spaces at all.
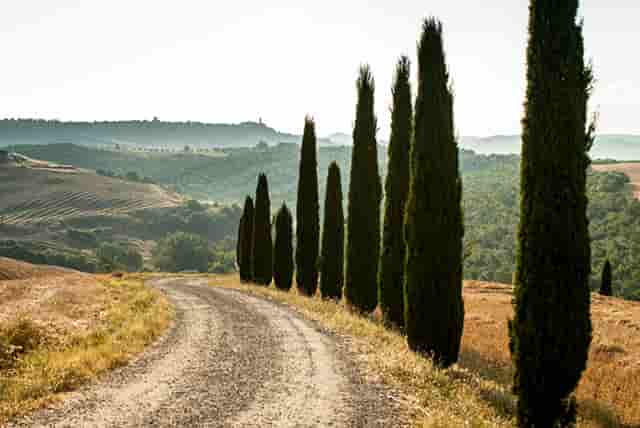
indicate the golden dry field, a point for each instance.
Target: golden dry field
{"x":477,"y":391}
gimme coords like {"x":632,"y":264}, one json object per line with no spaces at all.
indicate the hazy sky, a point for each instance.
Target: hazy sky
{"x":231,"y":61}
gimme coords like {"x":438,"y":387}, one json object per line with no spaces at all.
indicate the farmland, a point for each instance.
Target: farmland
{"x":632,"y":170}
{"x":34,"y":196}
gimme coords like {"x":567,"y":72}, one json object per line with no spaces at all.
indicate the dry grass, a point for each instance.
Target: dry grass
{"x":477,"y":391}
{"x":13,"y":269}
{"x":632,"y":170}
{"x":61,"y":331}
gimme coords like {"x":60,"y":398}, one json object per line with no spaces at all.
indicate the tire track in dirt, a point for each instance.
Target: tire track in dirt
{"x":230,"y":360}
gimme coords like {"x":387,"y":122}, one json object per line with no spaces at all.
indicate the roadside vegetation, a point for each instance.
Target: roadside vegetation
{"x":476,"y":392}
{"x":83,"y":326}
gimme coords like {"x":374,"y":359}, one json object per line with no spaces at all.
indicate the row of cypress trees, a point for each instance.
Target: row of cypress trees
{"x":256,"y":259}
{"x":416,"y":278}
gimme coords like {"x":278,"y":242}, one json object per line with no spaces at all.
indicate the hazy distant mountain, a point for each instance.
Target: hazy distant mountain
{"x":143,"y":133}
{"x":619,"y":147}
{"x":246,"y":134}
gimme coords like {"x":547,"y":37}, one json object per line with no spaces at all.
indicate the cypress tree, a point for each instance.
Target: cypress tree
{"x":434,"y":310}
{"x":365,"y":191}
{"x":332,"y":258}
{"x":246,"y":241}
{"x":283,"y":249}
{"x":307,"y":213}
{"x":239,"y":241}
{"x":392,"y":258}
{"x":262,"y":248}
{"x":551,"y":330}
{"x":605,"y":285}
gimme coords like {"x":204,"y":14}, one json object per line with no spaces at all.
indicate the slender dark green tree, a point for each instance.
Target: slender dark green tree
{"x":283,"y":249}
{"x":239,"y":241}
{"x":307,"y":213}
{"x":262,"y":257}
{"x":434,"y":310}
{"x":332,"y":255}
{"x":392,"y":258}
{"x":246,"y":241}
{"x":551,"y":330}
{"x":605,"y":284}
{"x":365,"y":192}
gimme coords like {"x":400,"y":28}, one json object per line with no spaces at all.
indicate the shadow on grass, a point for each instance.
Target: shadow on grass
{"x":598,"y":412}
{"x":504,"y":401}
{"x":487,"y":368}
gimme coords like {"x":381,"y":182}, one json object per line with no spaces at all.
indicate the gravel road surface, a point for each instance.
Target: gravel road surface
{"x":230,"y":360}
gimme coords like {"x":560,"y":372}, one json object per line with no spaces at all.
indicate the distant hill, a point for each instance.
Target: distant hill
{"x":617,"y":147}
{"x":140,"y":133}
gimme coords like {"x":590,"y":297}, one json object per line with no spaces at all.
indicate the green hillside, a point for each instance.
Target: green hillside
{"x":490,"y":197}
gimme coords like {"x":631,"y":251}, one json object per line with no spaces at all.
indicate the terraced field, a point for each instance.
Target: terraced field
{"x":29,"y":197}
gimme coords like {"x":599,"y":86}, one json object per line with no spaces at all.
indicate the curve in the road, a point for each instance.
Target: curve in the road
{"x":230,"y":360}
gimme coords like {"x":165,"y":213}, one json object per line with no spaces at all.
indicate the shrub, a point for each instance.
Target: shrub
{"x":182,"y":252}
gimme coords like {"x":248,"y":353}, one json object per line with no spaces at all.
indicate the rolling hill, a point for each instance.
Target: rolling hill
{"x":137,"y":133}
{"x":33,"y":196}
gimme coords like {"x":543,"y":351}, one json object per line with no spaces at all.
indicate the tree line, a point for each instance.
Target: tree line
{"x":411,"y":266}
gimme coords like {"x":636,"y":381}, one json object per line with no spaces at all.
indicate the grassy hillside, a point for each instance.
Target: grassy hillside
{"x":66,"y":217}
{"x":31,"y":196}
{"x":60,"y":329}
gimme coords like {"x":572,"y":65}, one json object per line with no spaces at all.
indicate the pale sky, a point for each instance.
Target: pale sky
{"x":232,"y":61}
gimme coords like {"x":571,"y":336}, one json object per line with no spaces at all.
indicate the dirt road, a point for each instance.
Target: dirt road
{"x":230,"y":360}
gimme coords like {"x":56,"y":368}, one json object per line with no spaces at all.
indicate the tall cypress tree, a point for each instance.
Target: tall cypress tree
{"x":262,"y":248}
{"x":392,"y":258}
{"x":283,"y":249}
{"x":246,"y":241}
{"x":307,"y":213}
{"x":605,"y":284}
{"x":551,"y":330}
{"x":434,"y":310}
{"x":365,"y":191}
{"x":332,"y":255}
{"x":239,"y":241}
